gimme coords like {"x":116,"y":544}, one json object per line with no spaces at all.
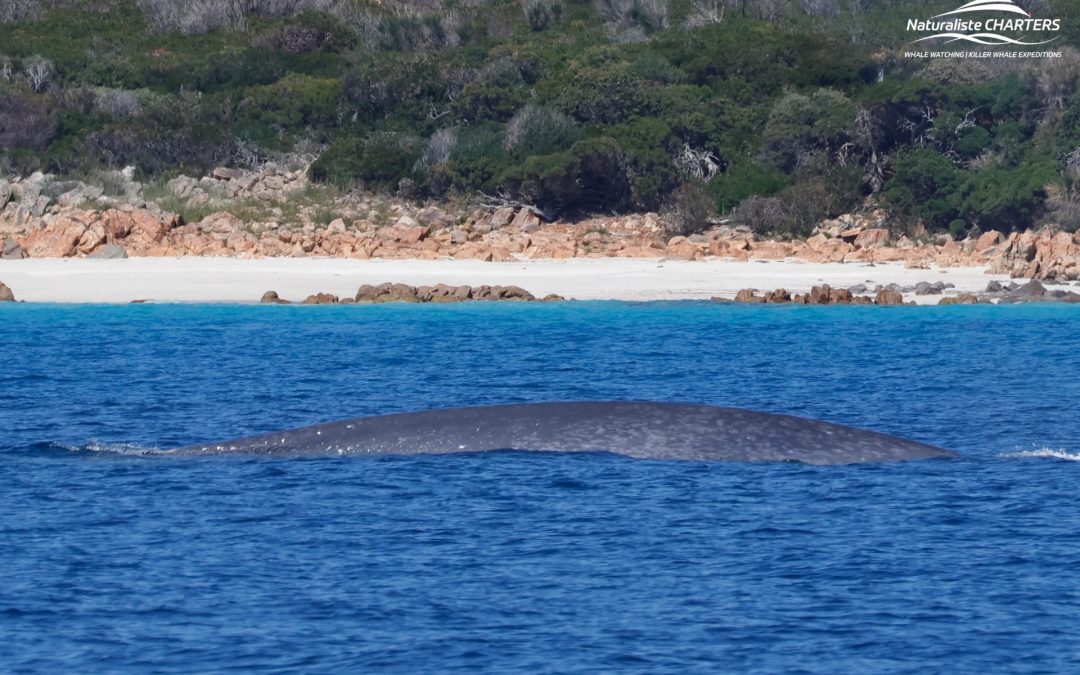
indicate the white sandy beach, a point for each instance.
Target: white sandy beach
{"x":193,"y":279}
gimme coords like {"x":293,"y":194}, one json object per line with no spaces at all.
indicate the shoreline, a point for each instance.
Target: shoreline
{"x":239,"y":280}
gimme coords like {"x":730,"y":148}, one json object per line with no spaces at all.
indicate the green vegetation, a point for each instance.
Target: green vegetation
{"x":783,"y":113}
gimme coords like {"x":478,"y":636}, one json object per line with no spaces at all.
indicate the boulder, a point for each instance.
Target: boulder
{"x":224,"y":173}
{"x":516,"y":293}
{"x":961,"y":299}
{"x":771,"y":250}
{"x":501,"y":217}
{"x":58,"y":240}
{"x":683,"y":248}
{"x":778,"y":296}
{"x":79,"y":195}
{"x":442,"y":293}
{"x":825,"y":250}
{"x":748,"y":295}
{"x":109,"y":252}
{"x":366,"y":293}
{"x":401,"y":293}
{"x":5,"y":293}
{"x":387,"y":293}
{"x":819,"y":295}
{"x":5,"y":193}
{"x":11,"y":250}
{"x":873,"y":238}
{"x":320,"y":299}
{"x":272,"y":298}
{"x":526,"y":220}
{"x":406,"y":235}
{"x":994,"y":287}
{"x":434,"y":217}
{"x":850,"y":233}
{"x":221,"y":222}
{"x":888,"y":296}
{"x":988,"y":240}
{"x":840,"y":296}
{"x":1032,"y":289}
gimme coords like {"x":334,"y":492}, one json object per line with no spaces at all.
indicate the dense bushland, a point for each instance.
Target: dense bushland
{"x":780,"y":113}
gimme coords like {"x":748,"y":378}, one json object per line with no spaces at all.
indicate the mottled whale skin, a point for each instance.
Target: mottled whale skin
{"x":666,"y":431}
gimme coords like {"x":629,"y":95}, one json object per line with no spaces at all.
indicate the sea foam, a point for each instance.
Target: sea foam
{"x":1043,"y":453}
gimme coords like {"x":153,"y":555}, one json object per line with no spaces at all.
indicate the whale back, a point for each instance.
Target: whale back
{"x":666,"y":431}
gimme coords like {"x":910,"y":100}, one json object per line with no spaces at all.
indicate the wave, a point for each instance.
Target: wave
{"x":95,"y":447}
{"x":982,"y":39}
{"x":1043,"y":453}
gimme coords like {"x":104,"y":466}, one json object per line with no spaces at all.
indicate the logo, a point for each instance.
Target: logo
{"x":986,"y":22}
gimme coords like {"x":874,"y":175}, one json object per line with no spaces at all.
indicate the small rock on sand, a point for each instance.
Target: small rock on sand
{"x":887,"y":296}
{"x":272,"y":298}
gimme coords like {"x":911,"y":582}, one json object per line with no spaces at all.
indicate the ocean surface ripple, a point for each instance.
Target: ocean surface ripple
{"x":513,"y":561}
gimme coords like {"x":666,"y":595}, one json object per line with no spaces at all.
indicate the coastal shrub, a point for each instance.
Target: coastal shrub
{"x":540,"y":14}
{"x":800,"y":126}
{"x":958,"y":229}
{"x":1003,"y":198}
{"x":439,"y":147}
{"x":1063,"y":200}
{"x":591,"y":176}
{"x":633,"y":20}
{"x":493,"y":92}
{"x":798,"y":208}
{"x":27,"y":10}
{"x":540,"y":130}
{"x":764,"y":215}
{"x":117,"y":103}
{"x":743,"y":180}
{"x":417,"y":33}
{"x":923,"y":188}
{"x":26,"y":120}
{"x":482,"y":101}
{"x":193,"y":17}
{"x":310,"y":32}
{"x":378,"y":161}
{"x":648,"y":148}
{"x":293,"y":103}
{"x":405,"y":89}
{"x":601,"y":88}
{"x":689,"y":210}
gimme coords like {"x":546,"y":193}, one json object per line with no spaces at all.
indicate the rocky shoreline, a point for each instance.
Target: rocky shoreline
{"x":893,"y":294}
{"x":82,"y":222}
{"x":398,"y":292}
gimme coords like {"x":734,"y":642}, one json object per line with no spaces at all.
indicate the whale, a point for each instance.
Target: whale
{"x":637,"y":429}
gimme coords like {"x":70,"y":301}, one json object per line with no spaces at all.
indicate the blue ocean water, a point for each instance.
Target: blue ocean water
{"x":515,"y":561}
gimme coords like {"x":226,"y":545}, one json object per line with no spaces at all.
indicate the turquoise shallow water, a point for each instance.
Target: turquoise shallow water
{"x":538,"y":562}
